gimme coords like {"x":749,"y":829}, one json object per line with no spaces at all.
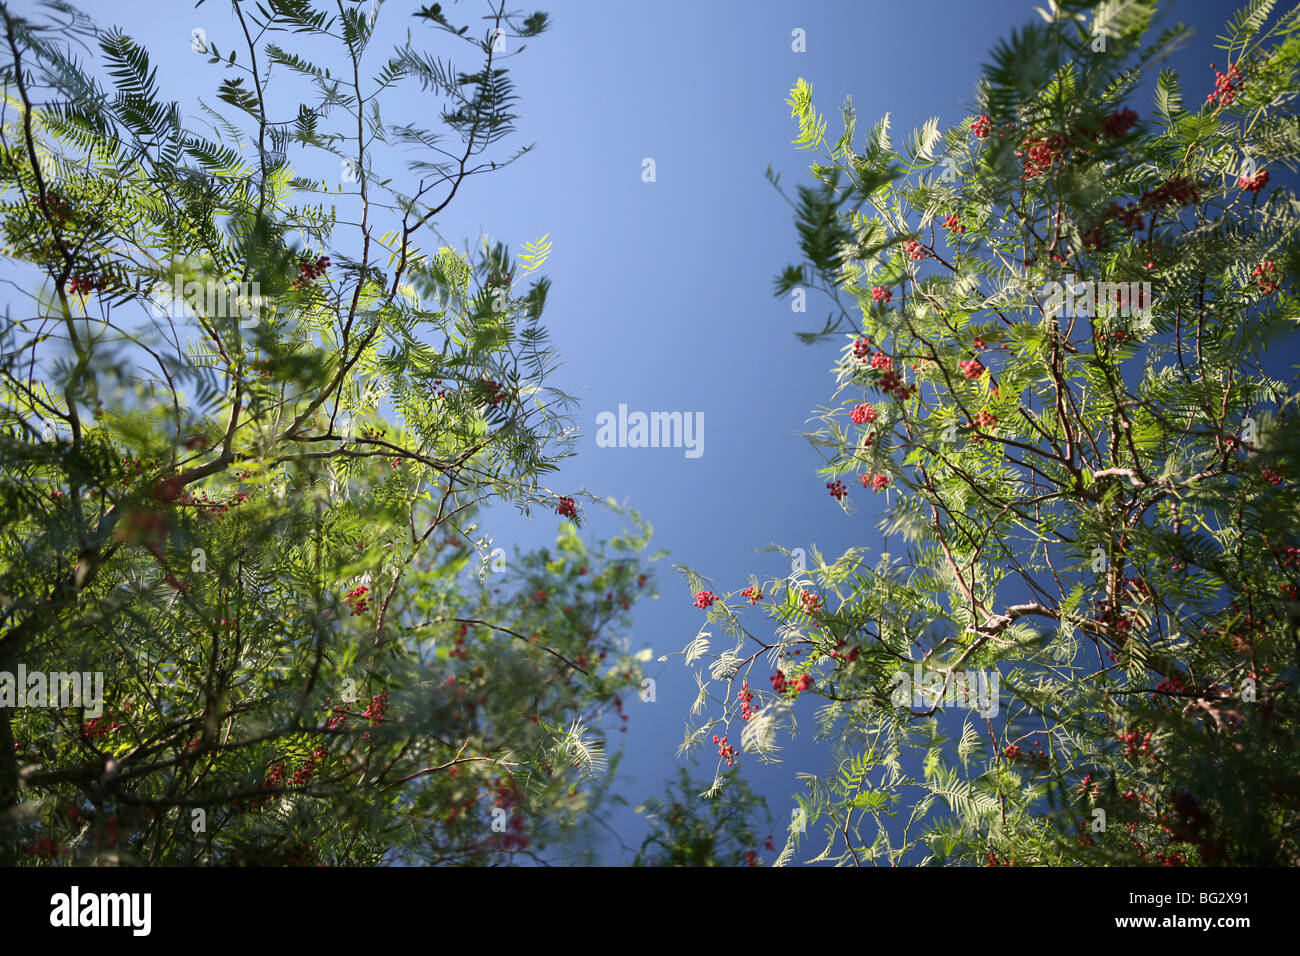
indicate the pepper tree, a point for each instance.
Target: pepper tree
{"x":1094,"y":487}
{"x":257,"y":514}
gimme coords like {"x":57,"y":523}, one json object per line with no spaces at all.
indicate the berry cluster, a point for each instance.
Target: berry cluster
{"x":1287,"y":557}
{"x":1117,"y":623}
{"x":1118,"y":124}
{"x":1272,"y":475}
{"x":725,"y":750}
{"x":705,"y":599}
{"x":914,"y":249}
{"x":1039,"y":153}
{"x":1179,"y":191}
{"x":1084,"y":836}
{"x":80,"y":285}
{"x":1193,"y":825}
{"x":1118,"y":337}
{"x":98,"y":727}
{"x":754,"y":595}
{"x":491,"y":392}
{"x":1128,"y":216}
{"x":1226,"y":86}
{"x":1266,"y":275}
{"x":1037,"y":758}
{"x":873,"y":481}
{"x":982,"y":420}
{"x":1137,"y":589}
{"x":1096,"y":238}
{"x":274,"y":778}
{"x":812,"y":603}
{"x":971,"y":368}
{"x":891,"y":383}
{"x":357,"y":600}
{"x":980,"y":128}
{"x":863,"y":414}
{"x":881,"y":294}
{"x":1137,"y":745}
{"x":336,"y":720}
{"x":746,"y":697}
{"x":58,"y":207}
{"x":168,"y":490}
{"x":376,"y":709}
{"x":850,"y":657}
{"x":566,"y":508}
{"x":1172,"y":685}
{"x":310,"y":271}
{"x":780,"y":683}
{"x":837,"y":490}
{"x":1233,"y":442}
{"x":308,"y":769}
{"x":1255,"y":183}
{"x":1088,"y":788}
{"x":459,"y":650}
{"x":953,"y":223}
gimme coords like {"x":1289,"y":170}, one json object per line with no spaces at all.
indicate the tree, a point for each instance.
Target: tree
{"x":1088,"y":652}
{"x":718,"y":831}
{"x":254,"y":513}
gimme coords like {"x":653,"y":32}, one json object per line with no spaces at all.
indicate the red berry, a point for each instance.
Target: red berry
{"x":863,"y":414}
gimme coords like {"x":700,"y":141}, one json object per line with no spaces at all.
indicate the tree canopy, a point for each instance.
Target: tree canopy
{"x":250,"y":421}
{"x":1054,"y":323}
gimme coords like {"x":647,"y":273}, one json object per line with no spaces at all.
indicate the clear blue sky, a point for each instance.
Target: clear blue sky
{"x":662,"y":295}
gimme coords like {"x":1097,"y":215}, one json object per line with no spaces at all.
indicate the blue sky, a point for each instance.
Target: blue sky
{"x":662,"y":291}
